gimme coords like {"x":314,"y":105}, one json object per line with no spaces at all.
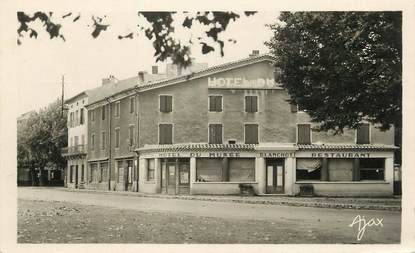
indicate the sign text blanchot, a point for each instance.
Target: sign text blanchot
{"x":241,"y":82}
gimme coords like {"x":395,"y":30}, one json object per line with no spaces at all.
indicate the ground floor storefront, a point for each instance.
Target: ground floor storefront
{"x":225,"y":169}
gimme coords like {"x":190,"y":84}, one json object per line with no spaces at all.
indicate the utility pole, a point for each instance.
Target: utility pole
{"x":63,"y":87}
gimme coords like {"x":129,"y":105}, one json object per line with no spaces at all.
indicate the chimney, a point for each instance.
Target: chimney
{"x":154,"y":70}
{"x":109,"y":80}
{"x":254,"y":53}
{"x":141,"y":76}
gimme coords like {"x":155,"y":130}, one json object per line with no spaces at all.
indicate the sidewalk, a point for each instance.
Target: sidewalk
{"x":389,"y":204}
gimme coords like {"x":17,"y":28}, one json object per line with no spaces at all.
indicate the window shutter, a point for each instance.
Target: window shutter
{"x":211,"y":103}
{"x":303,"y":134}
{"x":254,"y":103}
{"x":363,"y":134}
{"x":294,"y":108}
{"x":247,"y":104}
{"x":218,"y":103}
{"x":218,"y":134}
{"x":169,"y":134}
{"x":251,"y":134}
{"x":169,"y":103}
{"x":162,"y":103}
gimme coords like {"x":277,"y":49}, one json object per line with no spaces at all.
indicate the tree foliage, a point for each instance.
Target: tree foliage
{"x":342,"y":67}
{"x":160,"y":31}
{"x":41,"y":136}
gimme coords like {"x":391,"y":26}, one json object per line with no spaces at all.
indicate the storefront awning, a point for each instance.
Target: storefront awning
{"x":347,"y":147}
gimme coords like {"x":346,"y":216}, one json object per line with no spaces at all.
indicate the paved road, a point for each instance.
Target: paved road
{"x":331,"y":222}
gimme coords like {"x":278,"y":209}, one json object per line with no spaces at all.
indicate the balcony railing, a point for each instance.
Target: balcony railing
{"x":74,"y":150}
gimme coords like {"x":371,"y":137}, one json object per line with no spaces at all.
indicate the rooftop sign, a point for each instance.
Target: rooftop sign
{"x":242,"y":83}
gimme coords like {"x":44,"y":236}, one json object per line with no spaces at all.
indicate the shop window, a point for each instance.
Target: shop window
{"x":117,"y":137}
{"x":166,"y":103}
{"x":103,"y":172}
{"x":209,"y":170}
{"x":132,"y":104}
{"x":308,"y":169}
{"x":215,"y":103}
{"x":71,"y":174}
{"x":130,"y":164}
{"x":363,"y":133}
{"x":165,"y":134}
{"x":150,"y":169}
{"x":215,"y":134}
{"x":131,"y":135}
{"x":242,"y":170}
{"x":251,"y":103}
{"x":303,"y":134}
{"x":94,"y":172}
{"x":340,"y":169}
{"x":372,"y":169}
{"x":251,"y":134}
{"x":103,"y":140}
{"x":103,"y":112}
{"x":117,"y":109}
{"x":120,"y":172}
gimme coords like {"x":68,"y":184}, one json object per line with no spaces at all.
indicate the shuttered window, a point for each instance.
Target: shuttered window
{"x":251,"y":134}
{"x":165,"y":134}
{"x":103,"y":112}
{"x":132,"y":104}
{"x":117,"y":138}
{"x":103,"y":140}
{"x":166,"y":103}
{"x":294,"y":108}
{"x":117,"y":109}
{"x":92,"y":141}
{"x":81,"y":116}
{"x":363,"y":134}
{"x":215,"y":133}
{"x":215,"y":103}
{"x":251,"y":104}
{"x":131,"y":135}
{"x":303,"y":134}
{"x":93,"y":115}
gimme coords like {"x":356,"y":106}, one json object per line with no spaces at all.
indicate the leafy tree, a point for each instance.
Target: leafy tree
{"x":160,"y":31}
{"x":41,"y":138}
{"x":342,"y":67}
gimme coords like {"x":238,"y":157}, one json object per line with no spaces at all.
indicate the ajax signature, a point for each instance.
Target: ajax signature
{"x":362,"y":224}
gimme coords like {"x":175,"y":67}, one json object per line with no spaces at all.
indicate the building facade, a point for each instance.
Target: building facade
{"x":221,"y":128}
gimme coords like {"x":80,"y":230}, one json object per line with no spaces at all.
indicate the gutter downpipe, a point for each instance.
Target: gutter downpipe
{"x":137,"y":138}
{"x":109,"y":141}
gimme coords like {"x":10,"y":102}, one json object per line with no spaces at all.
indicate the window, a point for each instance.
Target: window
{"x":120,"y":171}
{"x":130,"y":171}
{"x":303,"y":134}
{"x":81,"y":120}
{"x":242,"y":170}
{"x":103,"y":171}
{"x":71,"y":174}
{"x":165,"y":134}
{"x":215,"y":134}
{"x":117,"y":109}
{"x":103,"y":140}
{"x":372,"y":169}
{"x":294,"y":108}
{"x":209,"y":170}
{"x":165,"y":103}
{"x":215,"y":103}
{"x":103,"y":112}
{"x":117,"y":137}
{"x":93,"y":172}
{"x":340,"y":169}
{"x":82,"y":173}
{"x":251,"y":134}
{"x":92,"y":141}
{"x":131,"y":135}
{"x":150,"y":169}
{"x":363,"y":133}
{"x":72,"y":123}
{"x":308,"y":169}
{"x":132,"y":104}
{"x":76,"y":118}
{"x":251,"y":103}
{"x":93,"y":115}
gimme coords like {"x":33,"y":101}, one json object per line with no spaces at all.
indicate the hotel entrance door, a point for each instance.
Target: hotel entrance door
{"x":175,"y":176}
{"x":275,"y":176}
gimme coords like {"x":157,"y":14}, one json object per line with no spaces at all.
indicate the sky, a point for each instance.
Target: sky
{"x":84,"y":61}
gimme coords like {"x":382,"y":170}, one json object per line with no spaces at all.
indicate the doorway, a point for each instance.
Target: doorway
{"x":275,"y":176}
{"x":175,"y":176}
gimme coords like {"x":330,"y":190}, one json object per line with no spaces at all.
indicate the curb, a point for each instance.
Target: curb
{"x":356,"y":206}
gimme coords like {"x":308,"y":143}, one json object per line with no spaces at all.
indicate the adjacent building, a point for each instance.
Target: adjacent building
{"x":213,"y":130}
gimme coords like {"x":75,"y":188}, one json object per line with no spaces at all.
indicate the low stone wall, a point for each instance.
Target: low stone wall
{"x":348,"y":189}
{"x":219,"y":188}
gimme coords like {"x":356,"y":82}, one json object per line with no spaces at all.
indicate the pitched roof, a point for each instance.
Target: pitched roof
{"x":342,"y":147}
{"x":85,"y":93}
{"x":107,"y":90}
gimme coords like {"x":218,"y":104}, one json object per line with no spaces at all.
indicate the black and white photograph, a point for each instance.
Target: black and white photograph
{"x":209,"y":127}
